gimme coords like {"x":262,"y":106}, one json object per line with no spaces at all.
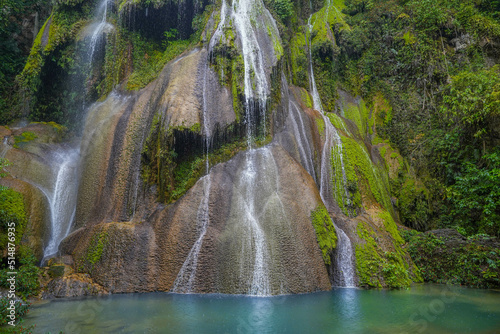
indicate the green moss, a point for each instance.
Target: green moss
{"x":360,"y":170}
{"x":237,"y":79}
{"x":306,"y":98}
{"x":320,"y":123}
{"x":368,"y":259}
{"x":60,"y":128}
{"x":413,"y":201}
{"x":32,"y":68}
{"x":351,"y":111}
{"x":175,"y":175}
{"x":149,"y":60}
{"x":12,"y":210}
{"x":325,"y":232}
{"x":390,"y":227}
{"x":360,"y":115}
{"x":413,"y":198}
{"x":24,"y":138}
{"x":367,"y":117}
{"x":325,"y":18}
{"x":95,"y":249}
{"x":278,"y":48}
{"x":298,"y":60}
{"x":338,"y":122}
{"x":377,"y":268}
{"x":347,"y":196}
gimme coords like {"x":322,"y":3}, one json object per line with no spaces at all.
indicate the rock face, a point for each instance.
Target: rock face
{"x":31,"y":152}
{"x":129,"y":257}
{"x":74,"y":285}
{"x":116,"y":131}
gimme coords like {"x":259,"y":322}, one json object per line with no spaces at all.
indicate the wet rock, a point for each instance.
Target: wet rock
{"x":75,"y":285}
{"x":147,"y":256}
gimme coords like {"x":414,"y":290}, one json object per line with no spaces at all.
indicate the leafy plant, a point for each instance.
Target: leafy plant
{"x":475,"y":197}
{"x":472,"y":99}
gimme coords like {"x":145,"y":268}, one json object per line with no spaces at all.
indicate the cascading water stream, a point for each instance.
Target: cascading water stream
{"x":99,"y":28}
{"x":302,"y":143}
{"x":62,"y":201}
{"x":256,"y":92}
{"x":63,"y":198}
{"x":312,"y":81}
{"x":255,"y":80}
{"x":332,"y":146}
{"x":186,"y":277}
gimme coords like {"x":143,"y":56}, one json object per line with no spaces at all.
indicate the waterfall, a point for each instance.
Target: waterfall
{"x":62,"y":200}
{"x":63,"y":197}
{"x":312,"y":81}
{"x":255,"y":79}
{"x":302,"y":142}
{"x":187,"y":275}
{"x":345,"y":255}
{"x":256,"y":90}
{"x":218,"y":32}
{"x":99,"y":28}
{"x":332,"y":146}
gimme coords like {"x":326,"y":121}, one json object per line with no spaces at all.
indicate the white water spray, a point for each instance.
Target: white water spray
{"x":62,"y":201}
{"x":99,"y":29}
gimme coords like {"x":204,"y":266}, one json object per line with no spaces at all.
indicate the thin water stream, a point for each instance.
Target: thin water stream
{"x":332,"y":146}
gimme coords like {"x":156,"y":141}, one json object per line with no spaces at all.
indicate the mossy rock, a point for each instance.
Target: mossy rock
{"x":57,"y":270}
{"x":325,"y":232}
{"x":380,"y":265}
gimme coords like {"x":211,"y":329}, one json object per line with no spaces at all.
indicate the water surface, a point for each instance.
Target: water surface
{"x":422,"y":309}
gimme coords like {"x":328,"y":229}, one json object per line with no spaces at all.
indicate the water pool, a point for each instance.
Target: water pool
{"x":421,"y":309}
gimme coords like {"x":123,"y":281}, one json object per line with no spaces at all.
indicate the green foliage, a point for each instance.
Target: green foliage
{"x":173,"y":173}
{"x":472,"y":100}
{"x":11,"y":211}
{"x":3,"y":163}
{"x":13,"y":52}
{"x":475,"y":197}
{"x":169,"y":36}
{"x":470,"y":262}
{"x":13,"y":214}
{"x":358,"y":6}
{"x":434,"y":63}
{"x":27,"y":282}
{"x":325,"y":232}
{"x":298,"y":60}
{"x":413,"y":203}
{"x":284,"y":8}
{"x":148,"y":61}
